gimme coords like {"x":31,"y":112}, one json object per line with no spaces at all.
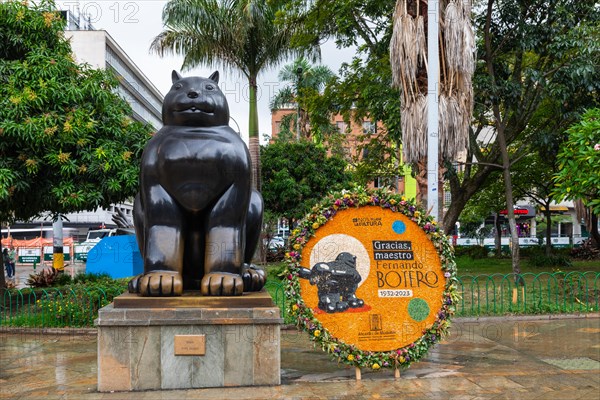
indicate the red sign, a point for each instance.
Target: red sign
{"x":517,"y":211}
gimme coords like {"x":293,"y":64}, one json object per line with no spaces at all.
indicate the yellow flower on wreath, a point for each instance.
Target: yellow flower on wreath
{"x":350,"y":357}
{"x":375,"y":366}
{"x":317,"y":333}
{"x":315,"y":225}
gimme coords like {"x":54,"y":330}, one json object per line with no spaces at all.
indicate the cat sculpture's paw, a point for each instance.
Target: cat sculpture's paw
{"x":222,"y":284}
{"x":254,"y":278}
{"x":157,"y":283}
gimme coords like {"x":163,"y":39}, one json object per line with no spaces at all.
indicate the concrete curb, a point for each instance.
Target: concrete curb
{"x":49,"y":331}
{"x":288,"y":327}
{"x":540,"y":317}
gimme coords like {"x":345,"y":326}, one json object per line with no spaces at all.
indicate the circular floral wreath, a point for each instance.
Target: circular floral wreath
{"x":303,"y":315}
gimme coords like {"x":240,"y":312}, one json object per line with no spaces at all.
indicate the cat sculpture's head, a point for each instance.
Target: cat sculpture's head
{"x":195,"y":101}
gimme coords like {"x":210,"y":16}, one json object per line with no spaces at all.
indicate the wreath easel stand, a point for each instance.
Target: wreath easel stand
{"x":358,"y":373}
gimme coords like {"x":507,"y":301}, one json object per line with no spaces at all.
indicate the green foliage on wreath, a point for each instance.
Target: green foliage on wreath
{"x":303,"y":315}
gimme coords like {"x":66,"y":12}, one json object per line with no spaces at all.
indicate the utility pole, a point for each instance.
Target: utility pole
{"x":58,"y":260}
{"x":433,"y":74}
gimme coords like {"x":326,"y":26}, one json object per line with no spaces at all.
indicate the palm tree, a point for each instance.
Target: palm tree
{"x":235,"y":34}
{"x":303,"y":78}
{"x":408,"y":57}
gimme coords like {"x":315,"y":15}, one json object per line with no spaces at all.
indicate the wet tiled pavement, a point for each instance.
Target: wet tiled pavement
{"x":491,"y":358}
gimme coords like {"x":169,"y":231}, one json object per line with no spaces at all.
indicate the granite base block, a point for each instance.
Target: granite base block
{"x":136,"y":349}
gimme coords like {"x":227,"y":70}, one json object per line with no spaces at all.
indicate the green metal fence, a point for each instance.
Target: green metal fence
{"x":496,"y":294}
{"x":559,"y":292}
{"x":53,"y":307}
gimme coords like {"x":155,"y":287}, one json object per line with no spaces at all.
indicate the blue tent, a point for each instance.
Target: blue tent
{"x":117,"y":256}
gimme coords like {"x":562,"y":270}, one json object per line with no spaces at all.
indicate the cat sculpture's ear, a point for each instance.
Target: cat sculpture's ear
{"x":214,"y":77}
{"x":175,"y":76}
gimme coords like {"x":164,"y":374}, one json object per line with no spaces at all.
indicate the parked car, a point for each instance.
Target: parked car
{"x":276,"y":243}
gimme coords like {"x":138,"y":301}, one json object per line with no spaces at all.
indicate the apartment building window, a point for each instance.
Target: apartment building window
{"x":341,"y":126}
{"x":369,"y":128}
{"x":447,"y":197}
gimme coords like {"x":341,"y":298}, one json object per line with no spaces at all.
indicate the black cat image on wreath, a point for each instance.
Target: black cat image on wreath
{"x":196,"y":216}
{"x":336,"y":283}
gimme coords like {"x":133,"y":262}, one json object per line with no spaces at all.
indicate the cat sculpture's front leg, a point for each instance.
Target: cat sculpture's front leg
{"x":162,"y":247}
{"x":224,"y":256}
{"x":160,"y":233}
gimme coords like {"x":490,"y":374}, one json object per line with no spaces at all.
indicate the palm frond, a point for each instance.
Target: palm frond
{"x":408,"y":56}
{"x":281,"y":98}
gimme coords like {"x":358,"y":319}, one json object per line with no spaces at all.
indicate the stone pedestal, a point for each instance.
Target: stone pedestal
{"x":188,"y":342}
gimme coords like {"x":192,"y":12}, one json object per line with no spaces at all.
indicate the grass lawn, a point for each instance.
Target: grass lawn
{"x":491,"y":265}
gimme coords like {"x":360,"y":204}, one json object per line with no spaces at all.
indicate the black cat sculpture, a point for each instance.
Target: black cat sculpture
{"x":197,"y":219}
{"x":336,"y":282}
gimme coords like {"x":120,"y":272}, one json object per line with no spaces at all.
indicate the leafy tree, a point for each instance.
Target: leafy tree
{"x":578,"y":176}
{"x":304,"y":81}
{"x":534,"y":55}
{"x":67,"y":141}
{"x":241,"y":35}
{"x":363,"y":88}
{"x":298,"y":174}
{"x":532,"y":177}
{"x":489,"y":200}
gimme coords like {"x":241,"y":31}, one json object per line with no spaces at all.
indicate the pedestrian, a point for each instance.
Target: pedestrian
{"x":6,"y":262}
{"x":8,"y":257}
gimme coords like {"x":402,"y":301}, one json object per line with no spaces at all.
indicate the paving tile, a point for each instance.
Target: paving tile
{"x":498,"y":359}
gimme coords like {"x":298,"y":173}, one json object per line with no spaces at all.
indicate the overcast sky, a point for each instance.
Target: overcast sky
{"x":134,"y":24}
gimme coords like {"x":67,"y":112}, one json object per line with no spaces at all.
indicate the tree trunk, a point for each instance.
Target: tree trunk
{"x":548,"y":230}
{"x":421,"y":179}
{"x":514,"y":237}
{"x":254,"y":142}
{"x":461,"y":195}
{"x":512,"y":222}
{"x":254,"y":148}
{"x":2,"y":279}
{"x":498,"y":236}
{"x":304,"y":124}
{"x":594,"y":234}
{"x":441,"y":172}
{"x":503,"y":146}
